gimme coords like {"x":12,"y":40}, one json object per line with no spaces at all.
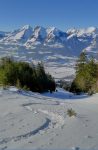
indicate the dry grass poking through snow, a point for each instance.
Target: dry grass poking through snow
{"x":71,"y":112}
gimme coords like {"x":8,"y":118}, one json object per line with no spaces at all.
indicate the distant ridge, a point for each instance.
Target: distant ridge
{"x":73,"y":40}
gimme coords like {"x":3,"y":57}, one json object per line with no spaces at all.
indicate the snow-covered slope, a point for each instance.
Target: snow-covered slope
{"x":20,"y":35}
{"x":3,"y":34}
{"x":47,"y":37}
{"x":38,"y":36}
{"x":40,"y":121}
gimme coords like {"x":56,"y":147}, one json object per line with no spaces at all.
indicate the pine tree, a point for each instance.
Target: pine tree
{"x":26,"y":76}
{"x":86,"y":75}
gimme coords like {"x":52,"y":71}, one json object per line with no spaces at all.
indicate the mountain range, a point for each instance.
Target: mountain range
{"x":73,"y":40}
{"x":56,"y":48}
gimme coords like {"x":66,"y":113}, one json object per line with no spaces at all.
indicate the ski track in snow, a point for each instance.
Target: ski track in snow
{"x":53,"y":128}
{"x":55,"y":119}
{"x":27,"y":135}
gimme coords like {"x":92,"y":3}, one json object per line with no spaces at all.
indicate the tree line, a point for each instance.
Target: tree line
{"x":86,"y":79}
{"x":26,"y":76}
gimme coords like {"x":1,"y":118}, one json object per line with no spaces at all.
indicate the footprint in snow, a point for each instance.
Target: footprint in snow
{"x":75,"y":148}
{"x":12,"y":124}
{"x":89,"y":137}
{"x":5,"y":147}
{"x":86,"y":120}
{"x":3,"y":130}
{"x":20,"y":120}
{"x":57,"y":134}
{"x":30,"y":142}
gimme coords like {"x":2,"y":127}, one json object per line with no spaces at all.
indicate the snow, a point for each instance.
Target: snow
{"x":71,"y":42}
{"x":54,"y":31}
{"x":21,"y":35}
{"x":57,"y":49}
{"x":81,"y":32}
{"x":39,"y":121}
{"x":56,"y":45}
{"x":38,"y":31}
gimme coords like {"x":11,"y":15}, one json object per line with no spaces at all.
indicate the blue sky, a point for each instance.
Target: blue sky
{"x":62,"y":14}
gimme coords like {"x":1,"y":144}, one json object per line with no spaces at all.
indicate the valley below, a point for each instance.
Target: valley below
{"x":31,"y":120}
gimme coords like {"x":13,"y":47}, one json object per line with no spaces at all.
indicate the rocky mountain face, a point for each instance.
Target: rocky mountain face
{"x":48,"y":44}
{"x":57,"y":49}
{"x":73,"y":40}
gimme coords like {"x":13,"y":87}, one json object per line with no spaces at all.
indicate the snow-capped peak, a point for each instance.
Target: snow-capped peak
{"x":74,"y":39}
{"x":20,"y":35}
{"x":24,"y":33}
{"x":82,"y":32}
{"x":26,"y":27}
{"x":53,"y":30}
{"x":91,"y":29}
{"x":39,"y":32}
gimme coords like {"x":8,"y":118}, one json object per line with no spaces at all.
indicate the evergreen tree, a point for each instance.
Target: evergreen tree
{"x":26,"y":76}
{"x":86,"y":75}
{"x":81,"y":62}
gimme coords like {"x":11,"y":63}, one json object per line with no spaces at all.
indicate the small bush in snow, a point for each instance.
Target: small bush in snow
{"x":71,"y":112}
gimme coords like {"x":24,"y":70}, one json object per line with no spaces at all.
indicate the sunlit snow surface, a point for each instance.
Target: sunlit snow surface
{"x":40,"y":121}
